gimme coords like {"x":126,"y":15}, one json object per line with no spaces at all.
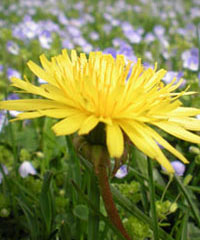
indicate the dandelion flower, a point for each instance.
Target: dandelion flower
{"x":85,"y":91}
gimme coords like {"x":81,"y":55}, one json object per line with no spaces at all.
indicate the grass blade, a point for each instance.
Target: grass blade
{"x":94,"y":196}
{"x":189,"y":200}
{"x":152,"y":200}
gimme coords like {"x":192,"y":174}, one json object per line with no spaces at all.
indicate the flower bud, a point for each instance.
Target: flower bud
{"x":4,"y":212}
{"x":193,"y":149}
{"x":173,"y":207}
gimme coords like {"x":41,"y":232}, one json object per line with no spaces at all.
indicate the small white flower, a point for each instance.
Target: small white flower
{"x":26,"y":168}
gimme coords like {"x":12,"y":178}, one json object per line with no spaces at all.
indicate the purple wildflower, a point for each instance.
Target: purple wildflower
{"x":89,"y":18}
{"x":87,"y":48}
{"x":195,"y":12}
{"x":1,"y":68}
{"x":126,"y":26}
{"x":107,"y":28}
{"x":179,"y":167}
{"x":94,"y":36}
{"x":79,"y":6}
{"x":133,"y":36}
{"x":12,"y":47}
{"x":147,"y":65}
{"x":115,"y":22}
{"x":26,"y":168}
{"x":190,"y":59}
{"x":45,"y":39}
{"x":122,"y":172}
{"x":62,"y":18}
{"x":118,"y":41}
{"x":2,"y":119}
{"x":80,"y":41}
{"x":13,"y":73}
{"x":111,"y":51}
{"x":13,"y":96}
{"x":170,"y":75}
{"x":159,"y":30}
{"x":74,"y":31}
{"x":66,"y":43}
{"x":149,"y":38}
{"x":30,"y":27}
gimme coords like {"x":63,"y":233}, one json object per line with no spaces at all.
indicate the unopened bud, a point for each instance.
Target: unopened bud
{"x":173,"y":207}
{"x":4,"y":212}
{"x":62,"y":192}
{"x":193,"y":149}
{"x":187,"y":179}
{"x":39,"y":154}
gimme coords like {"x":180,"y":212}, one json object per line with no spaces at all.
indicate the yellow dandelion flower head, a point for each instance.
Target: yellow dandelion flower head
{"x":85,"y":91}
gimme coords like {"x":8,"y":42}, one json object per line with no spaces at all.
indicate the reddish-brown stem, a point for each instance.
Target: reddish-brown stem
{"x":98,"y":155}
{"x":101,"y":172}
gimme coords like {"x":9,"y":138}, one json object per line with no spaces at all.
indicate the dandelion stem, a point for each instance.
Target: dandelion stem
{"x":101,"y":172}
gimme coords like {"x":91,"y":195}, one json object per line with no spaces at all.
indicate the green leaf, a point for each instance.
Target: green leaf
{"x":135,"y":211}
{"x":81,"y":211}
{"x":50,"y":140}
{"x":46,"y":202}
{"x":74,"y":171}
{"x":141,"y":161}
{"x":94,"y":196}
{"x":184,"y":227}
{"x":187,"y":195}
{"x":193,"y":232}
{"x":31,"y":219}
{"x":65,"y":232}
{"x":28,"y":139}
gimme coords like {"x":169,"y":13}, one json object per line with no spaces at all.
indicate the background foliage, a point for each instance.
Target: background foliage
{"x":55,"y":195}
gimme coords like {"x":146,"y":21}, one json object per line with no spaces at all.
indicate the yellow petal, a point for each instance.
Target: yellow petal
{"x":114,"y":140}
{"x":184,"y":112}
{"x":88,"y":124}
{"x":58,"y":113}
{"x":41,"y":91}
{"x":29,"y":104}
{"x":38,"y":71}
{"x":27,"y":115}
{"x":165,"y":144}
{"x":177,"y":131}
{"x":144,"y":142}
{"x":187,"y":123}
{"x":69,"y":125}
